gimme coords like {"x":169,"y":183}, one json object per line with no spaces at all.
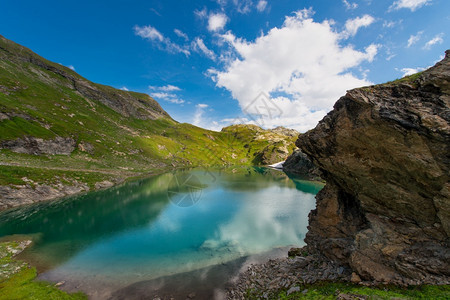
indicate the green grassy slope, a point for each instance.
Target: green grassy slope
{"x":117,"y":133}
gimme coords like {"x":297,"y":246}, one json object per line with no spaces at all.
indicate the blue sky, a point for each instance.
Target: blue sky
{"x":217,"y":62}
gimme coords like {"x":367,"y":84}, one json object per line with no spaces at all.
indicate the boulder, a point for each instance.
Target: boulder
{"x":384,"y":152}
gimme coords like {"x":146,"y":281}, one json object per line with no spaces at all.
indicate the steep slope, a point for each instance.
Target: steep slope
{"x":385,"y":154}
{"x":62,"y":134}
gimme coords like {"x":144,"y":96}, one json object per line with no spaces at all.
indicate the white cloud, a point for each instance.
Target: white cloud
{"x":436,"y":40}
{"x":124,"y":88}
{"x":166,"y":93}
{"x":217,"y":21}
{"x":243,"y":6}
{"x":261,"y":6}
{"x":301,"y":65}
{"x":410,"y":4}
{"x":175,"y":100}
{"x":161,"y":95}
{"x":71,"y":67}
{"x":199,"y":45}
{"x":410,"y":71}
{"x":198,"y":116}
{"x":152,"y":34}
{"x":172,"y":98}
{"x":166,"y":88}
{"x":148,"y":32}
{"x":349,"y":5}
{"x":391,"y":24}
{"x":201,"y":13}
{"x":181,"y":34}
{"x":414,"y":39}
{"x":352,"y":25}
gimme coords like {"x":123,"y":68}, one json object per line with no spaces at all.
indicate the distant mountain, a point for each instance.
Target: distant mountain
{"x":62,"y":134}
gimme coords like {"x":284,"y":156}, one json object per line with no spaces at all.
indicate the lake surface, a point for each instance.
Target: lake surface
{"x":167,"y":234}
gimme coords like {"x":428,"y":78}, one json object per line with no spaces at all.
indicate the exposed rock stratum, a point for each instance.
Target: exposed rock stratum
{"x":384,"y":153}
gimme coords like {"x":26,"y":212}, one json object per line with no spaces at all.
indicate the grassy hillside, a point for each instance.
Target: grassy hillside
{"x":103,"y":133}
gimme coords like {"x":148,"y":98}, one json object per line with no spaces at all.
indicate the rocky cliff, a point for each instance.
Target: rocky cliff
{"x":385,"y":153}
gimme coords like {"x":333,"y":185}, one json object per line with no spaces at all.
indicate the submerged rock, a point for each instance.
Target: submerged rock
{"x":384,"y":152}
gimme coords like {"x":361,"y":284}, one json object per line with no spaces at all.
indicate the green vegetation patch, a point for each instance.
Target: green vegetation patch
{"x":326,"y":290}
{"x":25,"y":175}
{"x":17,"y":279}
{"x":407,"y":79}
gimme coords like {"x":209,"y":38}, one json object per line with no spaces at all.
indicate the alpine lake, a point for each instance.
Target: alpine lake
{"x":178,"y":233}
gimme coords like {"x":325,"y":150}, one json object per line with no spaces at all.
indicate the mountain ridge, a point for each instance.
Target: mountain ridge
{"x":62,"y":134}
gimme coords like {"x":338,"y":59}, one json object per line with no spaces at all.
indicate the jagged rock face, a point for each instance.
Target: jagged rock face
{"x":385,"y":154}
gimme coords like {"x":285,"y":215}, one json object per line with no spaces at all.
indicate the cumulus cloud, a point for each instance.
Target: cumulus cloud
{"x":349,"y":5}
{"x":410,"y":4}
{"x":301,"y":66}
{"x":217,"y":21}
{"x":199,"y":45}
{"x":124,"y":88}
{"x":436,"y":40}
{"x":353,"y":25}
{"x":152,"y":34}
{"x":261,"y":6}
{"x":414,"y":39}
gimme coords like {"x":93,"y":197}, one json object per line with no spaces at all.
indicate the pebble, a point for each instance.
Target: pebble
{"x":293,"y":289}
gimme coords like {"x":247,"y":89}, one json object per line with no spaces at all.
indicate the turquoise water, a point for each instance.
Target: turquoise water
{"x":163,"y":225}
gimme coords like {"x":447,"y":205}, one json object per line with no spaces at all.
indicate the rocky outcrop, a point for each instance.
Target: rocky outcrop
{"x":285,"y":131}
{"x":299,"y":163}
{"x":38,"y":146}
{"x":385,"y":154}
{"x":277,"y":143}
{"x":12,"y":196}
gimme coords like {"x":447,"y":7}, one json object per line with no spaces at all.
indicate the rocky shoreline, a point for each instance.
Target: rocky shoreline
{"x":265,"y":281}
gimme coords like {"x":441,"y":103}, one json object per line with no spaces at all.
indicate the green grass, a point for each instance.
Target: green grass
{"x":407,"y":79}
{"x":23,"y":175}
{"x":330,"y":291}
{"x":18,"y":280}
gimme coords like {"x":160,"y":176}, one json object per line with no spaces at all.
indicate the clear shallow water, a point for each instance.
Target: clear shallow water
{"x":164,"y":225}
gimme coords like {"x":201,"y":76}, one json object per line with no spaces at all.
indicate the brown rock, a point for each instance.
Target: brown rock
{"x":384,"y":152}
{"x":38,"y":146}
{"x":355,"y":278}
